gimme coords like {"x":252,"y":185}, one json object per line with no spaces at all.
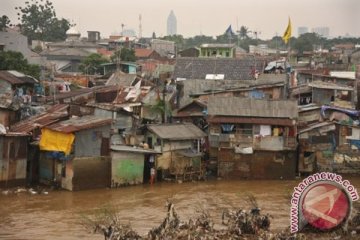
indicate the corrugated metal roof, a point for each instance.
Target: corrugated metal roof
{"x":315,"y":126}
{"x":75,"y":93}
{"x":308,"y":107}
{"x":253,"y":120}
{"x":249,"y":107}
{"x":78,"y":124}
{"x":14,"y":77}
{"x":330,"y":85}
{"x":121,"y":78}
{"x":123,"y":148}
{"x":197,"y":109}
{"x":53,"y":115}
{"x":182,"y":131}
{"x":14,"y":134}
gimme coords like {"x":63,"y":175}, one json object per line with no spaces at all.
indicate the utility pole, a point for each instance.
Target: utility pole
{"x":164,"y":100}
{"x":52,"y":77}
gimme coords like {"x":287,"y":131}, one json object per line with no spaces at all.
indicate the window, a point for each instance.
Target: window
{"x":227,"y":54}
{"x":228,"y":128}
{"x":245,"y":129}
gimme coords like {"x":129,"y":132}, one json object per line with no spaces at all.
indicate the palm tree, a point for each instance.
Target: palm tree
{"x":244,"y":32}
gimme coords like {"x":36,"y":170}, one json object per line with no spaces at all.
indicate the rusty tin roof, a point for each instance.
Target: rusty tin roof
{"x":80,"y":123}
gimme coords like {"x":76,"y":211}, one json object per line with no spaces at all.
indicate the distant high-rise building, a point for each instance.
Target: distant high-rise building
{"x":302,"y":30}
{"x":322,"y":31}
{"x":171,"y":24}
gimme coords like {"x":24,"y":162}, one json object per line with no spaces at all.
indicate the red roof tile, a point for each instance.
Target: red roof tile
{"x":143,"y":52}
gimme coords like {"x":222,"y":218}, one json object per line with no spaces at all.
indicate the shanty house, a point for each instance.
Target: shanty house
{"x":75,"y":154}
{"x":253,"y":138}
{"x":327,"y":92}
{"x":15,"y":90}
{"x":332,"y":144}
{"x":131,"y":165}
{"x":32,"y":126}
{"x":324,"y":87}
{"x":193,"y":112}
{"x":13,"y":159}
{"x":174,"y":142}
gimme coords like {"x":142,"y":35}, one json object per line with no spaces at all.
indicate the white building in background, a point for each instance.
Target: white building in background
{"x":322,"y":31}
{"x":171,"y":24}
{"x":128,"y":32}
{"x":261,"y":49}
{"x":302,"y":30}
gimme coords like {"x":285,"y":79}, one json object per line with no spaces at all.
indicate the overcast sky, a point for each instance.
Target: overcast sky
{"x":209,"y":17}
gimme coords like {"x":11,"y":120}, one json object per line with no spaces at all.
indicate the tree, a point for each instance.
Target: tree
{"x":4,"y":23}
{"x":91,"y":64}
{"x":244,"y":32}
{"x":10,"y":60}
{"x":178,"y":39}
{"x":198,"y":40}
{"x":306,"y":42}
{"x":124,"y":54}
{"x":276,"y":43}
{"x":39,"y":21}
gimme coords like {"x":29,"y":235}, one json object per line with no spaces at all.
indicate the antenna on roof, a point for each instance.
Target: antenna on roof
{"x":122,"y":28}
{"x":140,"y":27}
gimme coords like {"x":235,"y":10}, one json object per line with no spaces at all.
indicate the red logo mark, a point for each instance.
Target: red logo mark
{"x":325,"y":206}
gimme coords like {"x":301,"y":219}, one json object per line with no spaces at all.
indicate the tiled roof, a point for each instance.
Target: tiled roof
{"x":143,"y":52}
{"x":231,"y":68}
{"x":249,"y":107}
{"x":80,"y":52}
{"x":183,"y":131}
{"x":104,"y":52}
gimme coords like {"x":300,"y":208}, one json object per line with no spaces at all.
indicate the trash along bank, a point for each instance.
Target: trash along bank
{"x":235,"y":224}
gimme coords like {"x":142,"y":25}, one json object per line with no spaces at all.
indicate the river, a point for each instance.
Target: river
{"x":57,"y":215}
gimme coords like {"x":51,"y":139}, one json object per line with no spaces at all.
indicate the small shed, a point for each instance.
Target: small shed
{"x":130,"y":165}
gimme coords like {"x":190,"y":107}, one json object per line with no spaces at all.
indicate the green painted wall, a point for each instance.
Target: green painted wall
{"x":219,"y":52}
{"x":126,"y":168}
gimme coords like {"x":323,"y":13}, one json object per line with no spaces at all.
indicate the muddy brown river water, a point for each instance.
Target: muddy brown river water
{"x":57,"y":215}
